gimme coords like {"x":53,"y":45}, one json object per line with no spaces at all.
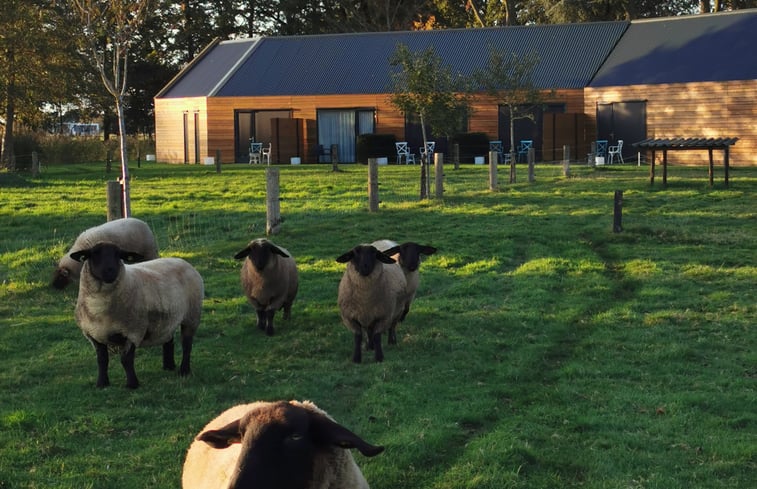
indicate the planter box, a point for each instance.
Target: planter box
{"x":149,"y":157}
{"x":295,"y":160}
{"x":209,"y":160}
{"x":382,"y":161}
{"x":479,"y":160}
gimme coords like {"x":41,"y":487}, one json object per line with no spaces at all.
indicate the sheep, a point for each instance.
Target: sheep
{"x":408,"y":255}
{"x":121,"y":307}
{"x":269,"y":280}
{"x":285,"y":445}
{"x":128,"y":233}
{"x":370,"y":297}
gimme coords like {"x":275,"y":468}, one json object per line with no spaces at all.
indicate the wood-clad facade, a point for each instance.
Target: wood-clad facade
{"x":705,"y":109}
{"x":190,"y":129}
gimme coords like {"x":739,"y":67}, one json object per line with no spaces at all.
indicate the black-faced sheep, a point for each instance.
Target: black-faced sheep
{"x":282,"y":445}
{"x":371,"y":296}
{"x":269,"y":280}
{"x":408,"y":256}
{"x":121,"y":307}
{"x":129,"y":233}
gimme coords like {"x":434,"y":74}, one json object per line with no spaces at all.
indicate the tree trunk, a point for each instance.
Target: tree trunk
{"x":124,"y":156}
{"x":424,"y":161}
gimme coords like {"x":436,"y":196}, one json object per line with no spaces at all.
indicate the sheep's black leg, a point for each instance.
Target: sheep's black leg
{"x":186,"y":351}
{"x":378,"y":353}
{"x":101,"y":350}
{"x":287,"y":310}
{"x":261,"y":319}
{"x":127,"y":360}
{"x":168,"y":360}
{"x":357,"y":352}
{"x":269,"y":321}
{"x":392,"y":335}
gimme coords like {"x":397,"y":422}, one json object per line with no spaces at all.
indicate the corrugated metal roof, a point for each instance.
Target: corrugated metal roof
{"x":332,"y":64}
{"x":711,"y":47}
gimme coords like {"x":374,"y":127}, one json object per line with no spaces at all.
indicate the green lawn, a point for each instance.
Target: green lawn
{"x":543,"y":350}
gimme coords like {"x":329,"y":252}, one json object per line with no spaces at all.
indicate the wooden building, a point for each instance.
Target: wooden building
{"x":302,"y":94}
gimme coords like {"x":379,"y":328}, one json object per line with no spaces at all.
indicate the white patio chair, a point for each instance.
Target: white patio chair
{"x":403,"y":151}
{"x":428,"y":152}
{"x":267,"y":154}
{"x":616,"y":150}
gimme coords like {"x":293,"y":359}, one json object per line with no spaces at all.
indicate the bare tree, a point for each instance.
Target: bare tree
{"x":110,"y":28}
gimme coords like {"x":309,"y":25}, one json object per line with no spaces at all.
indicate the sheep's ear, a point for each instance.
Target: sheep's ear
{"x":279,"y":251}
{"x":80,"y":255}
{"x":384,"y":257}
{"x":224,"y":437}
{"x":131,"y":257}
{"x":242,"y":254}
{"x":393,"y":250}
{"x":329,"y":432}
{"x":346,"y":257}
{"x":427,"y":250}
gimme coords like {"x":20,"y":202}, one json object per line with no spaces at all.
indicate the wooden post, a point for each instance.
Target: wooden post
{"x":531,"y":158}
{"x":726,"y":164}
{"x":218,"y":161}
{"x":712,"y":167}
{"x":373,"y":195}
{"x":456,"y":155}
{"x":35,"y":164}
{"x":617,"y":221}
{"x":334,"y":157}
{"x":139,"y":156}
{"x":651,"y":169}
{"x":272,"y":208}
{"x":439,"y":175}
{"x":493,"y":159}
{"x":114,"y":201}
{"x":513,"y":161}
{"x":566,"y":160}
{"x":664,"y":167}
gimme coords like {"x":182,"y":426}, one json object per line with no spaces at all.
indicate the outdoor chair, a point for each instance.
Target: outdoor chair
{"x":616,"y":150}
{"x":403,"y":151}
{"x":523,"y":147}
{"x":267,"y":154}
{"x":427,"y":152}
{"x":256,"y":150}
{"x":499,"y":149}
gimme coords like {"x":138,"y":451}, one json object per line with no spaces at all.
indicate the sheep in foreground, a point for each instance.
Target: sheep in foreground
{"x":121,"y":307}
{"x":371,"y":296}
{"x":128,"y":233}
{"x":283,"y":445}
{"x":408,"y":255}
{"x":269,"y":279}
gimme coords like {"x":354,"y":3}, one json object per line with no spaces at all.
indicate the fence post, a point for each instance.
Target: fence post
{"x":334,"y":157}
{"x":439,"y":175}
{"x":493,"y":159}
{"x":114,"y":200}
{"x":218,"y":161}
{"x":272,"y":209}
{"x":617,"y":221}
{"x":531,"y":160}
{"x":566,"y":160}
{"x":373,"y":193}
{"x":35,"y":164}
{"x":456,"y":155}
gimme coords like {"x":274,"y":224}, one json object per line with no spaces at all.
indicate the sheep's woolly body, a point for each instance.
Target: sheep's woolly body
{"x":274,"y":286}
{"x":370,"y":297}
{"x":373,"y":303}
{"x":128,"y":233}
{"x":208,"y":467}
{"x":146,"y":304}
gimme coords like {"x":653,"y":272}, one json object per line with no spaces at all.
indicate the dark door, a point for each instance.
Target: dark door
{"x":524,"y":127}
{"x":622,"y":120}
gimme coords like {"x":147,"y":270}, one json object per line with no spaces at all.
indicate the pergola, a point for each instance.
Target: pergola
{"x":687,"y":144}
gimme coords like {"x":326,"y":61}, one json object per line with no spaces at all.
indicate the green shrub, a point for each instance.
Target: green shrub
{"x":375,"y":146}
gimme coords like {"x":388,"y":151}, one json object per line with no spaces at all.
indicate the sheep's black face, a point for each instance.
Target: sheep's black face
{"x":105,"y":262}
{"x":410,"y":255}
{"x":260,"y":255}
{"x":364,"y":260}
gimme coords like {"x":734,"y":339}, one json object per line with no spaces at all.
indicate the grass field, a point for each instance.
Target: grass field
{"x":543,"y":350}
